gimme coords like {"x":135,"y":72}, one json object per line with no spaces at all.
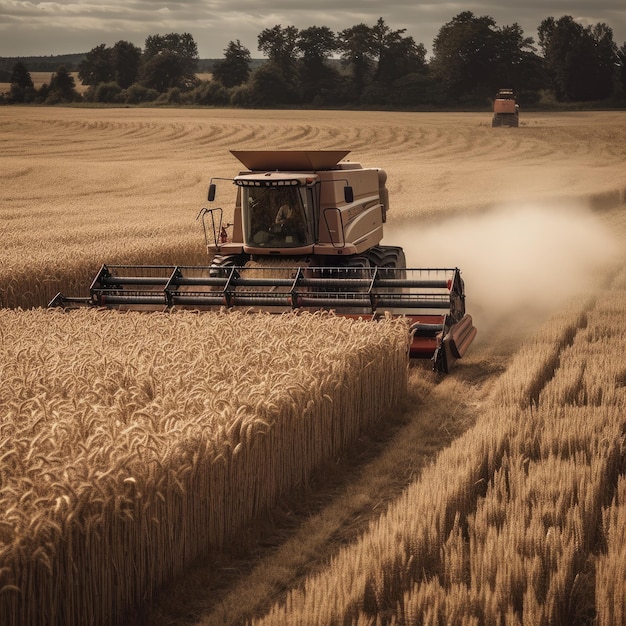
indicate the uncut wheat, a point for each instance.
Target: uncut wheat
{"x":132,"y":444}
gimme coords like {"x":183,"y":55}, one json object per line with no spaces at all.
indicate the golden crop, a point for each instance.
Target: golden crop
{"x":131,"y":444}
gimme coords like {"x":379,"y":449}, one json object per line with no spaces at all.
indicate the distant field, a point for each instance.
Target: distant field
{"x":81,"y":187}
{"x":39,"y":78}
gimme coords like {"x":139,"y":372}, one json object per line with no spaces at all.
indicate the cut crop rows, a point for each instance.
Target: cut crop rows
{"x":521,"y":520}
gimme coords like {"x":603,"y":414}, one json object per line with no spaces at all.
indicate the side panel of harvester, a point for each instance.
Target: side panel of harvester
{"x":350,"y":227}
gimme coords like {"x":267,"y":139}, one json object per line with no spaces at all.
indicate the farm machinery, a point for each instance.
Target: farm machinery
{"x":306,"y":234}
{"x":505,"y":109}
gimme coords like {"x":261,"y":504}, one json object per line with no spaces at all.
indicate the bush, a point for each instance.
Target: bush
{"x":171,"y":96}
{"x":528,"y":97}
{"x":108,"y":92}
{"x":547,"y":97}
{"x":138,"y":94}
{"x":242,"y":96}
{"x":19,"y":94}
{"x":412,"y":89}
{"x":270,"y":87}
{"x":210,"y":93}
{"x":53,"y":98}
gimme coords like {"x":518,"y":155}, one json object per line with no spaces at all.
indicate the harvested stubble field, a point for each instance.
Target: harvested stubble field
{"x":494,"y":495}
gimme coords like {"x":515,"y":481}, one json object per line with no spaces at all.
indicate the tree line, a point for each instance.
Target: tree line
{"x":363,"y":65}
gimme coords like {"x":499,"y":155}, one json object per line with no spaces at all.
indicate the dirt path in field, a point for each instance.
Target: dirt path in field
{"x":304,"y":533}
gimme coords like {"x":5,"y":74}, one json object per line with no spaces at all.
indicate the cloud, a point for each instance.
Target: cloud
{"x":42,"y":28}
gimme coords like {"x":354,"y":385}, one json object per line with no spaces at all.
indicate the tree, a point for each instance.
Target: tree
{"x":606,"y":58}
{"x":104,"y":65}
{"x":473,"y":58}
{"x":234,"y":68}
{"x":22,"y":87}
{"x":413,"y":89}
{"x":62,"y":87}
{"x":162,"y":72}
{"x":97,"y":66}
{"x":318,"y":80}
{"x":517,"y":64}
{"x":169,"y":61}
{"x":280,"y":46}
{"x":316,"y":44}
{"x":377,"y":57}
{"x":357,"y":53}
{"x":621,"y":55}
{"x":464,"y":54}
{"x":125,"y":59}
{"x":580,"y":60}
{"x":268,"y":87}
{"x":397,"y":55}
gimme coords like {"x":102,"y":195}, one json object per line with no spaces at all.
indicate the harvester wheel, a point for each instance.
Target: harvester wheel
{"x":229,"y":260}
{"x":357,"y":261}
{"x":390,"y":257}
{"x":222,"y":261}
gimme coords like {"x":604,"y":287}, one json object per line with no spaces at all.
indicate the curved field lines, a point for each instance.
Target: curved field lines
{"x":145,"y":171}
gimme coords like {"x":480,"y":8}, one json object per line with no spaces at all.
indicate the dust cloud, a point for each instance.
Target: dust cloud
{"x":519,"y":263}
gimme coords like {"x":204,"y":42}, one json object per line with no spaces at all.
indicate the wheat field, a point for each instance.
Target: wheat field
{"x":525,"y":436}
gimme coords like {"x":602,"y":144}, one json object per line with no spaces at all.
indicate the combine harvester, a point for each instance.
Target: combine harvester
{"x":306,"y":233}
{"x":505,"y":109}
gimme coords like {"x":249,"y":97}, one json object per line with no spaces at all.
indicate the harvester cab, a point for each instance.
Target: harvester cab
{"x":505,"y":109}
{"x":306,"y":235}
{"x":299,"y":204}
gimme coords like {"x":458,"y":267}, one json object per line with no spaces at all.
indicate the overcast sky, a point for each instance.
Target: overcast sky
{"x":30,"y":28}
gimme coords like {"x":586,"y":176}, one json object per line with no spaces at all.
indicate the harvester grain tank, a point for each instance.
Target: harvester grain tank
{"x":505,"y":109}
{"x":306,"y":234}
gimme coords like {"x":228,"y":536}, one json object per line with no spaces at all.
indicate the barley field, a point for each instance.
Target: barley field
{"x":493,"y":495}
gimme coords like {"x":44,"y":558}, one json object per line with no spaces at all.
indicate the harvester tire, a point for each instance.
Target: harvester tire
{"x":222,"y":261}
{"x":391,"y":257}
{"x":357,"y":261}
